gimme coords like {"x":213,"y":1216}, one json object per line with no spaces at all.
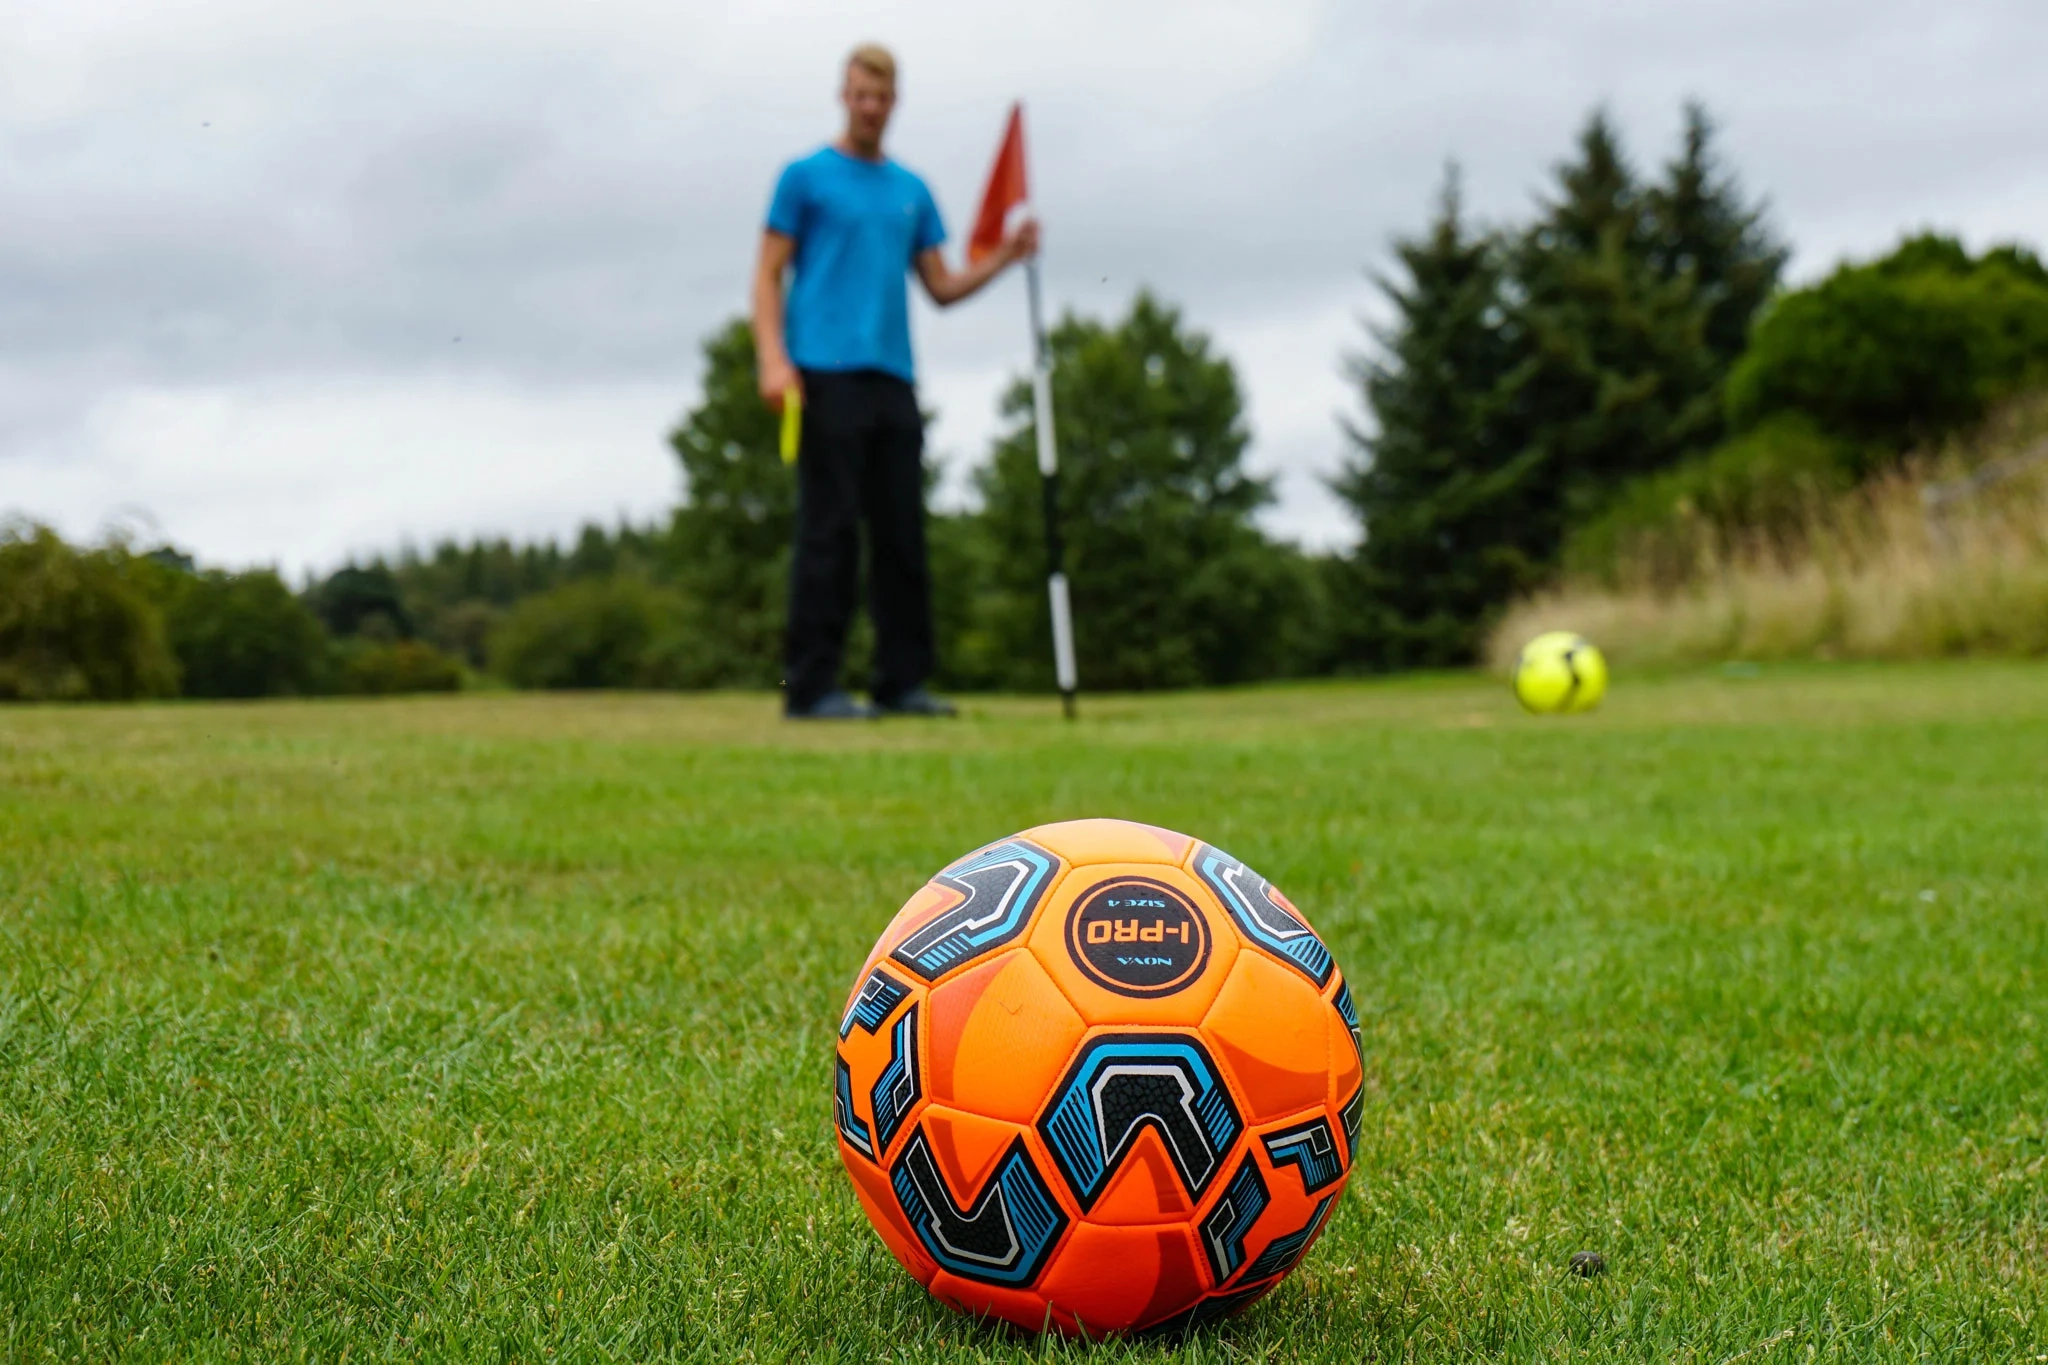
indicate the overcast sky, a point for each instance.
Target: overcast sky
{"x":287,"y":282}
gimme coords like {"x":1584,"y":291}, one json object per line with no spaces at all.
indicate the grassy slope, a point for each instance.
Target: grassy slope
{"x":1869,"y":574}
{"x":502,"y":1027}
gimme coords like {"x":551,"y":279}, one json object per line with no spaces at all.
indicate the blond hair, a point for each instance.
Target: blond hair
{"x":874,"y":59}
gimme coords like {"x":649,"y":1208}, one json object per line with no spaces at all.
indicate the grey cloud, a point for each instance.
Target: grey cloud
{"x":234,"y":196}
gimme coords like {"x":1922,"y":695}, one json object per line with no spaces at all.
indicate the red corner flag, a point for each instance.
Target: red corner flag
{"x":1006,"y":190}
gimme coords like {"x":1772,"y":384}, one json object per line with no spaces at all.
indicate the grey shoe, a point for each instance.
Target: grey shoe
{"x":833,"y":706}
{"x":917,"y":702}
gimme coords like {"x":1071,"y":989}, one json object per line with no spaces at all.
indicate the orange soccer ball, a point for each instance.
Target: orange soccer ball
{"x":1099,"y":1077}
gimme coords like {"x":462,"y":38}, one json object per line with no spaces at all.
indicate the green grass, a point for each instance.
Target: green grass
{"x":501,"y":1027}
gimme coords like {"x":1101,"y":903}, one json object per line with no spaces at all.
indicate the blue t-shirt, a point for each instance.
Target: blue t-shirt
{"x":857,"y":225}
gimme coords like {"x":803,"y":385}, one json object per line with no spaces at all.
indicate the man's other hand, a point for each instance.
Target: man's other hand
{"x":779,"y":377}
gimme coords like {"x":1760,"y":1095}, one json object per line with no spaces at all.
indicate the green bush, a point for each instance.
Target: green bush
{"x":77,"y":625}
{"x":241,"y":634}
{"x":355,"y":600}
{"x":1900,"y":351}
{"x":1174,"y":585}
{"x":1839,"y":380}
{"x":1760,"y":484}
{"x":387,"y":669}
{"x":464,"y":629}
{"x":596,"y":632}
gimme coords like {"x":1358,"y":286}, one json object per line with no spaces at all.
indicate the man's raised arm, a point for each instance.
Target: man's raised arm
{"x":948,"y":286}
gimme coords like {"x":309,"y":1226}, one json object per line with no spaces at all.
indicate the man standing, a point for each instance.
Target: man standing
{"x":853,"y":224}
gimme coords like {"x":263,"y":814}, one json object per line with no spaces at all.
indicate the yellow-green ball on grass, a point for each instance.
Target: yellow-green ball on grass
{"x":1560,"y":673}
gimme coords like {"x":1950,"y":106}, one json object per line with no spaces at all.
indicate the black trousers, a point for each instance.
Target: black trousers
{"x":861,"y":460}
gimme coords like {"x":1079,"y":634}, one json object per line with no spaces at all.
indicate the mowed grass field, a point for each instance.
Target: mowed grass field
{"x":501,"y":1027}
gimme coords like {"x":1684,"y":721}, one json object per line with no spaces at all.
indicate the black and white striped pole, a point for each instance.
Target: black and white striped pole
{"x":1049,"y":474}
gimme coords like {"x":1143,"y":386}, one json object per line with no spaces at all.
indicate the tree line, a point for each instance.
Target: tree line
{"x":1586,"y":387}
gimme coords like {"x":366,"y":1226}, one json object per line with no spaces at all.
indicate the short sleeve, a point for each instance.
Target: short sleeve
{"x":931,"y":229}
{"x":786,"y":208}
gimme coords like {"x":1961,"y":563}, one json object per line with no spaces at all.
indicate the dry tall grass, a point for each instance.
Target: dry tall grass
{"x":1948,"y":557}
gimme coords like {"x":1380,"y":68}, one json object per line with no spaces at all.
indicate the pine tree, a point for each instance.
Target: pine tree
{"x":1600,"y":205}
{"x":1433,"y":481}
{"x":1527,"y":379}
{"x":1618,"y":380}
{"x":1704,"y":231}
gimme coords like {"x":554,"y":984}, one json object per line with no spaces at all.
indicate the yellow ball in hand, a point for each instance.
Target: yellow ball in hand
{"x":1559,"y":673}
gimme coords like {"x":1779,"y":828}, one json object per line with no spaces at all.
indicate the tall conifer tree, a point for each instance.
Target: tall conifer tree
{"x":1704,"y":230}
{"x":1617,"y":379}
{"x":1425,"y":477}
{"x":1527,"y":378}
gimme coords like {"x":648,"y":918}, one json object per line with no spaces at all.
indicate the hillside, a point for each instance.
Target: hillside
{"x":1942,"y":554}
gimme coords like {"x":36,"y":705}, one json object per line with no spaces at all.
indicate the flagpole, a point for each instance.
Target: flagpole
{"x":1049,"y":475}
